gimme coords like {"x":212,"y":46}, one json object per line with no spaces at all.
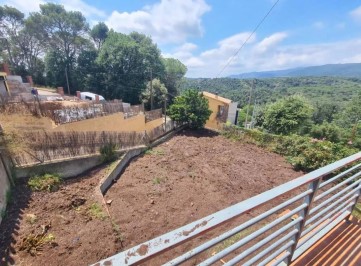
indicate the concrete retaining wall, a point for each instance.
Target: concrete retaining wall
{"x":65,"y":168}
{"x":123,"y":162}
{"x":107,"y":182}
{"x":4,"y":187}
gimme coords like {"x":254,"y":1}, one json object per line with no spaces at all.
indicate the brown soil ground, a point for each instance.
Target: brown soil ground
{"x":186,"y":178}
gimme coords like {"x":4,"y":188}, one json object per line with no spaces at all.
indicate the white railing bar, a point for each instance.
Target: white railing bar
{"x":280,"y":259}
{"x":333,"y":197}
{"x":311,"y":227}
{"x":320,"y":213}
{"x":337,"y":186}
{"x":235,"y":230}
{"x":245,"y":240}
{"x":270,"y":248}
{"x":325,"y":183}
{"x":307,"y":237}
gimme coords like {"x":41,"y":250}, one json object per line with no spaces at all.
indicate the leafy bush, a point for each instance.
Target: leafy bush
{"x":326,"y":131}
{"x":190,"y":108}
{"x":48,"y":182}
{"x":287,"y":115}
{"x":302,"y":152}
{"x":108,"y":152}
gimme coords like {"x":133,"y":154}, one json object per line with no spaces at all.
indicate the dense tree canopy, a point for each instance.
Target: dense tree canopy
{"x":174,"y":72}
{"x":160,"y":94}
{"x":99,"y":33}
{"x":54,"y":43}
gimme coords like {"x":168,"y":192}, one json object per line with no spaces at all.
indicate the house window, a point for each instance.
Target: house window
{"x":220,"y":110}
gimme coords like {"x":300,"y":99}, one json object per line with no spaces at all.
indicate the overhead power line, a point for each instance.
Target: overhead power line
{"x":248,"y":38}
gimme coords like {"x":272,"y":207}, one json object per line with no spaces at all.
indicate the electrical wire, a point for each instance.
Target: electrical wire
{"x":248,"y":38}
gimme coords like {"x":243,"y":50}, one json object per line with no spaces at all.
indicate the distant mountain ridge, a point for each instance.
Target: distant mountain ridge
{"x":331,"y":70}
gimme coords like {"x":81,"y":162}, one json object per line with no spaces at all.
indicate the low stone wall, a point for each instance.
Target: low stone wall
{"x":106,"y":183}
{"x":65,"y":168}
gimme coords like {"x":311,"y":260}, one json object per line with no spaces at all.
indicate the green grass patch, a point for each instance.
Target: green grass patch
{"x":96,"y":211}
{"x":159,"y":180}
{"x":154,"y":152}
{"x":118,"y":233}
{"x":357,"y":211}
{"x":46,"y":182}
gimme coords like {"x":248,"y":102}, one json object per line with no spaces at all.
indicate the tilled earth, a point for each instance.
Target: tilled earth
{"x":186,"y":178}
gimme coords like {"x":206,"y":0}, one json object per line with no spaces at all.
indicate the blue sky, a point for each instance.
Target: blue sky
{"x":204,"y":34}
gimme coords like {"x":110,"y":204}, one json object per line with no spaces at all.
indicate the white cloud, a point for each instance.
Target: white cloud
{"x":169,"y":21}
{"x":24,"y":6}
{"x":270,"y":42}
{"x":356,"y":14}
{"x":266,"y":54}
{"x":79,"y":5}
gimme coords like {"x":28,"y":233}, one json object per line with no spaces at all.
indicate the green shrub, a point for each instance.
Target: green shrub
{"x":46,"y":182}
{"x":302,"y":152}
{"x":326,"y":131}
{"x":190,"y":108}
{"x":108,"y":152}
{"x":287,"y":115}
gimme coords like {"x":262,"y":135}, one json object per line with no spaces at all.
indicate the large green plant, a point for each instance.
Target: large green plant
{"x":287,"y":115}
{"x":190,"y":108}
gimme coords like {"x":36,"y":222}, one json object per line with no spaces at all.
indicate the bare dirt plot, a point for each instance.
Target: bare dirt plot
{"x":188,"y":177}
{"x":80,"y":232}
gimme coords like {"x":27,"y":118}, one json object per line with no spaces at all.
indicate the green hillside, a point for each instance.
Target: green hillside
{"x":334,"y":70}
{"x":316,"y":89}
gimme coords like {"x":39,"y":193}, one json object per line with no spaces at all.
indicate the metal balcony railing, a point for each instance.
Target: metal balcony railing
{"x":317,"y":202}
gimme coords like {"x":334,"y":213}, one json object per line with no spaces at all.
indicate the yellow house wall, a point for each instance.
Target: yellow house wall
{"x":213,"y":106}
{"x":114,"y":122}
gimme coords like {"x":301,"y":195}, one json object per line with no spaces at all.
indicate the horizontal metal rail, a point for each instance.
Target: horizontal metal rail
{"x":310,"y":235}
{"x":335,"y":203}
{"x":263,"y":242}
{"x":236,"y":230}
{"x":336,"y":177}
{"x":337,"y":186}
{"x":252,"y":236}
{"x":331,"y":199}
{"x":269,"y":249}
{"x":306,"y":214}
{"x":313,"y":226}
